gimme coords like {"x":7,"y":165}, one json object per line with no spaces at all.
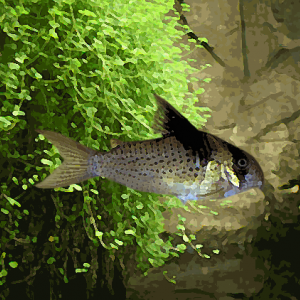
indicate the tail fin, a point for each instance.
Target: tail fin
{"x":74,"y":169}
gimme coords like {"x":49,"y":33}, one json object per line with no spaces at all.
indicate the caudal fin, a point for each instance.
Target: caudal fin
{"x":74,"y":169}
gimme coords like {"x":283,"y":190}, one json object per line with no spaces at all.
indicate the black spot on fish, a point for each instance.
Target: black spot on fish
{"x":191,"y":169}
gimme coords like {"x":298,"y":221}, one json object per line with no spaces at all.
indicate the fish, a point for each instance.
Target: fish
{"x":185,"y":162}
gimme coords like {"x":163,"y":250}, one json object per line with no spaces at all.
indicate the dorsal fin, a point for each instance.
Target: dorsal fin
{"x":170,"y":122}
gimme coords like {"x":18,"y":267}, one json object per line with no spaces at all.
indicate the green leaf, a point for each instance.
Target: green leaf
{"x":18,"y":113}
{"x":51,"y":260}
{"x":13,"y":66}
{"x":181,"y":247}
{"x":140,"y":206}
{"x":192,"y":237}
{"x":5,"y":120}
{"x":46,"y":162}
{"x":61,"y":270}
{"x":185,"y":238}
{"x":129,"y":231}
{"x":120,"y":243}
{"x":53,"y":34}
{"x":180,"y":227}
{"x":5,"y":211}
{"x":87,"y":13}
{"x":13,"y":264}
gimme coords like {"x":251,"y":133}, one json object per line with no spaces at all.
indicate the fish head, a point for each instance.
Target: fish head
{"x":230,"y":170}
{"x":225,"y":173}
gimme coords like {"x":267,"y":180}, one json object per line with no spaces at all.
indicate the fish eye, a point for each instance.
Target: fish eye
{"x":242,"y":163}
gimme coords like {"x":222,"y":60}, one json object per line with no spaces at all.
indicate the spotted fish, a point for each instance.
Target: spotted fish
{"x":185,"y":162}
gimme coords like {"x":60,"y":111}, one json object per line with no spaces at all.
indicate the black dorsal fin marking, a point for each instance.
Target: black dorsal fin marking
{"x":170,"y":122}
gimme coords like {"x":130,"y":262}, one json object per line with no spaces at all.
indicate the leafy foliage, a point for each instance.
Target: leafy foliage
{"x":86,"y":69}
